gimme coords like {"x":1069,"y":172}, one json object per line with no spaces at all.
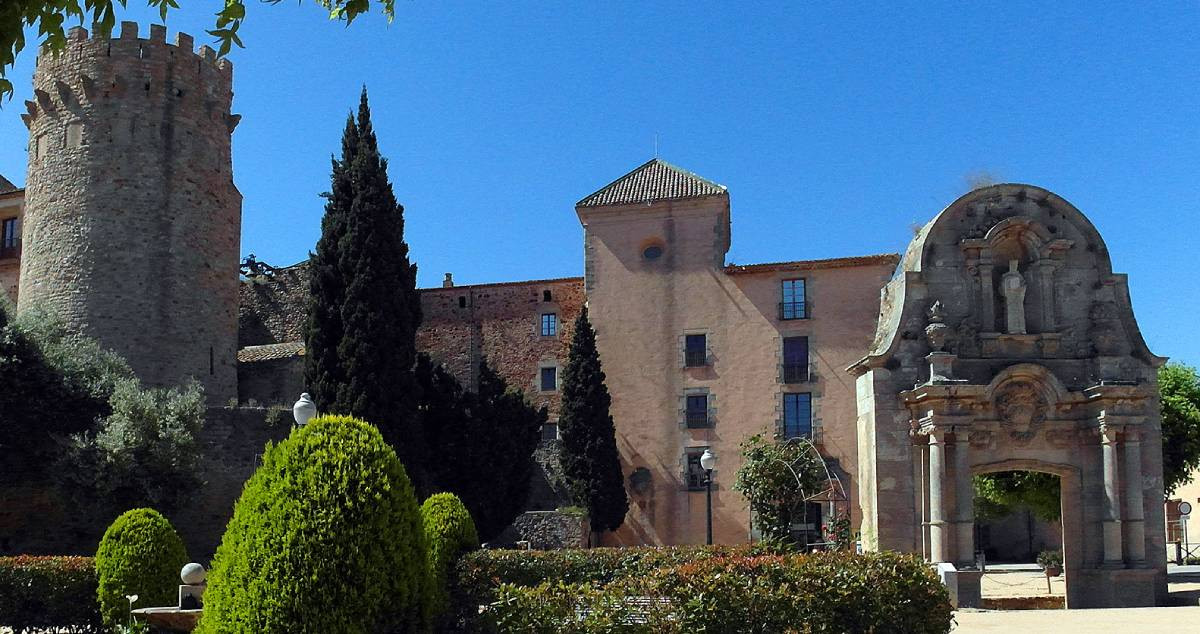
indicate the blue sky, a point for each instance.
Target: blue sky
{"x":835,"y":128}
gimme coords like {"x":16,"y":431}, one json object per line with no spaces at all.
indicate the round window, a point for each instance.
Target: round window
{"x":652,"y":252}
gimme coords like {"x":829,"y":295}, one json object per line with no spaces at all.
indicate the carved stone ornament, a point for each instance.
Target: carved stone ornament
{"x":966,"y":342}
{"x":1021,"y":409}
{"x":1104,"y":332}
{"x":937,"y":331}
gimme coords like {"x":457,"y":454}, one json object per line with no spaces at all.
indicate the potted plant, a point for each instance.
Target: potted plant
{"x":1051,"y":562}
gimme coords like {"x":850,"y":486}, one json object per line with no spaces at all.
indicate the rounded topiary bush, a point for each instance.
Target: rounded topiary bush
{"x":449,"y":532}
{"x":140,"y":554}
{"x":326,"y":537}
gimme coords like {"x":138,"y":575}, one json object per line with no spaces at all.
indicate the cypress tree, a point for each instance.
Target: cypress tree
{"x":485,"y":442}
{"x":589,"y":445}
{"x":365,"y":309}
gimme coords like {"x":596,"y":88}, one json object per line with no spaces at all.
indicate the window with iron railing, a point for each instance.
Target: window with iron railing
{"x":795,"y":359}
{"x":696,"y":413}
{"x":797,"y":415}
{"x":695,"y":351}
{"x":792,"y":304}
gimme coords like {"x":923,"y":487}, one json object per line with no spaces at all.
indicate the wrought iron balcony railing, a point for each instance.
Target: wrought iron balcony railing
{"x":795,"y":372}
{"x":10,"y":250}
{"x":697,"y":419}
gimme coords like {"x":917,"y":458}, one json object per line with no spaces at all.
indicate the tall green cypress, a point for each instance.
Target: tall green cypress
{"x":365,"y":309}
{"x":589,"y":444}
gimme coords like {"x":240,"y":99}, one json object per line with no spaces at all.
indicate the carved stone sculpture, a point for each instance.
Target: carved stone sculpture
{"x":1013,"y":287}
{"x":937,"y":331}
{"x":1021,"y":409}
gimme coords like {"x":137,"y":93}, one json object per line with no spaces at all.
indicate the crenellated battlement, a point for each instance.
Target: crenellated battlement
{"x":91,"y":70}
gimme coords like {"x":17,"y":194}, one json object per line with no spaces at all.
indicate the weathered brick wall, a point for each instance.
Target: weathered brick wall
{"x":35,"y":519}
{"x":546,"y":530}
{"x":132,"y":221}
{"x":461,"y":323}
{"x":273,"y":309}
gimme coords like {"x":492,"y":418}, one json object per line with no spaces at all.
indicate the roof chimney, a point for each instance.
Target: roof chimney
{"x":448,"y":282}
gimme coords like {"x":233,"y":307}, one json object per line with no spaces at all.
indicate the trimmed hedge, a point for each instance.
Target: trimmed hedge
{"x":479,"y":573}
{"x":326,"y":537}
{"x":882,"y":593}
{"x":140,"y":554}
{"x":449,"y":532}
{"x":37,"y":593}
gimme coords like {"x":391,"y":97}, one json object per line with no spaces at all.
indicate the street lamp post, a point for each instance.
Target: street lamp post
{"x":304,"y":410}
{"x":708,"y":460}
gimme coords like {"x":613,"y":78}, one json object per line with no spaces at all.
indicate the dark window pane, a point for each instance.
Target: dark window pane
{"x":549,"y":379}
{"x":797,"y":415}
{"x":695,"y":350}
{"x":695,"y":472}
{"x":697,"y":411}
{"x":795,"y":359}
{"x":792,"y":305}
{"x":652,"y":252}
{"x":550,"y":431}
{"x":546,"y":296}
{"x":549,"y":324}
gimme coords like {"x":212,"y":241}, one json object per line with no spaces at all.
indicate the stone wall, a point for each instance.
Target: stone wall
{"x":546,"y":530}
{"x":36,"y":519}
{"x":272,"y":309}
{"x":132,"y":223}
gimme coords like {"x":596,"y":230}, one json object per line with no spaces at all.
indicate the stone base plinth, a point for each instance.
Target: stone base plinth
{"x":1116,"y":588}
{"x":173,"y":619}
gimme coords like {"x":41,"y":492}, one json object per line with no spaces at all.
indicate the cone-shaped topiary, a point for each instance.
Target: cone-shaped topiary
{"x":326,"y":537}
{"x":140,"y":554}
{"x":449,"y":532}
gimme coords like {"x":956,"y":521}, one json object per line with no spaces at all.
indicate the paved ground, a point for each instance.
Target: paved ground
{"x":1184,"y":616}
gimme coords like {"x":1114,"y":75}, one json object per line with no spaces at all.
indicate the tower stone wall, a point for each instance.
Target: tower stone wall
{"x":132,"y":221}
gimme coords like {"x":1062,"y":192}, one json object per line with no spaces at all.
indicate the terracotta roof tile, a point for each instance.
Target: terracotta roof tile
{"x":653,"y":180}
{"x":271,"y":352}
{"x":890,"y":259}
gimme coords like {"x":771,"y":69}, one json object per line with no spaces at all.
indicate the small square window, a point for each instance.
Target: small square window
{"x":797,"y":415}
{"x":549,"y":379}
{"x":462,"y":301}
{"x":697,"y":411}
{"x":792,"y":304}
{"x":547,"y":297}
{"x":549,"y":324}
{"x":695,"y":350}
{"x":550,"y":431}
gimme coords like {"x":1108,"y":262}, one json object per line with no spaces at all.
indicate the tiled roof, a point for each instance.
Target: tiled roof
{"x":890,"y":259}
{"x":271,"y":352}
{"x":654,"y":180}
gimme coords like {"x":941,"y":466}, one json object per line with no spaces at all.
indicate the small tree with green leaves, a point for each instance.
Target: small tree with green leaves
{"x":589,"y":454}
{"x":777,"y":478}
{"x":140,"y":554}
{"x":449,"y":532}
{"x":1179,"y":396}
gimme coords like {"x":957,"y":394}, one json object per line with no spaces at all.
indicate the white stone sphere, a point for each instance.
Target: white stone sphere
{"x":192,"y":574}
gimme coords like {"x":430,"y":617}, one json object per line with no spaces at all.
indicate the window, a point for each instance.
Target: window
{"x":547,"y":297}
{"x":462,"y":301}
{"x":550,"y":431}
{"x":549,"y":379}
{"x":792,"y":306}
{"x":693,"y":473}
{"x":795,"y":359}
{"x":695,"y":350}
{"x":797,"y":415}
{"x":10,"y":238}
{"x":806,"y":525}
{"x":697,"y":411}
{"x":652,"y":252}
{"x":549,"y":324}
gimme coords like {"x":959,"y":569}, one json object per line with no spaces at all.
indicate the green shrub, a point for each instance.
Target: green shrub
{"x":823,"y":592}
{"x":140,"y":554}
{"x":449,"y":532}
{"x":326,"y":537}
{"x":39,"y":593}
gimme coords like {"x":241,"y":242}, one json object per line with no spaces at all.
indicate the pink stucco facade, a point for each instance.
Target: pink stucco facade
{"x":644,"y":308}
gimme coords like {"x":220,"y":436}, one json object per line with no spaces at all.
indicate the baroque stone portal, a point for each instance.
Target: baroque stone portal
{"x":1058,"y":381}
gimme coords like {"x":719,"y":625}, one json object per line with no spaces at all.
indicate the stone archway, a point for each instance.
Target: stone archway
{"x":1071,"y":502}
{"x":1038,"y":367}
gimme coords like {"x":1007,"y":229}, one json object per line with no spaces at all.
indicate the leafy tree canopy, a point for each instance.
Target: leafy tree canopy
{"x":999,"y":494}
{"x":50,"y":16}
{"x":777,"y":478}
{"x":1179,"y":394}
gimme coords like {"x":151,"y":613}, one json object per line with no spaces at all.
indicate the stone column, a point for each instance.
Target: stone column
{"x":964,"y":498}
{"x":1046,"y":277}
{"x":939,"y":533}
{"x":923,"y":492}
{"x":987,"y":291}
{"x":1112,"y":499}
{"x":1135,"y":518}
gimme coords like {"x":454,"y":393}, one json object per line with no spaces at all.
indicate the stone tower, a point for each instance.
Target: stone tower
{"x":132,"y":221}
